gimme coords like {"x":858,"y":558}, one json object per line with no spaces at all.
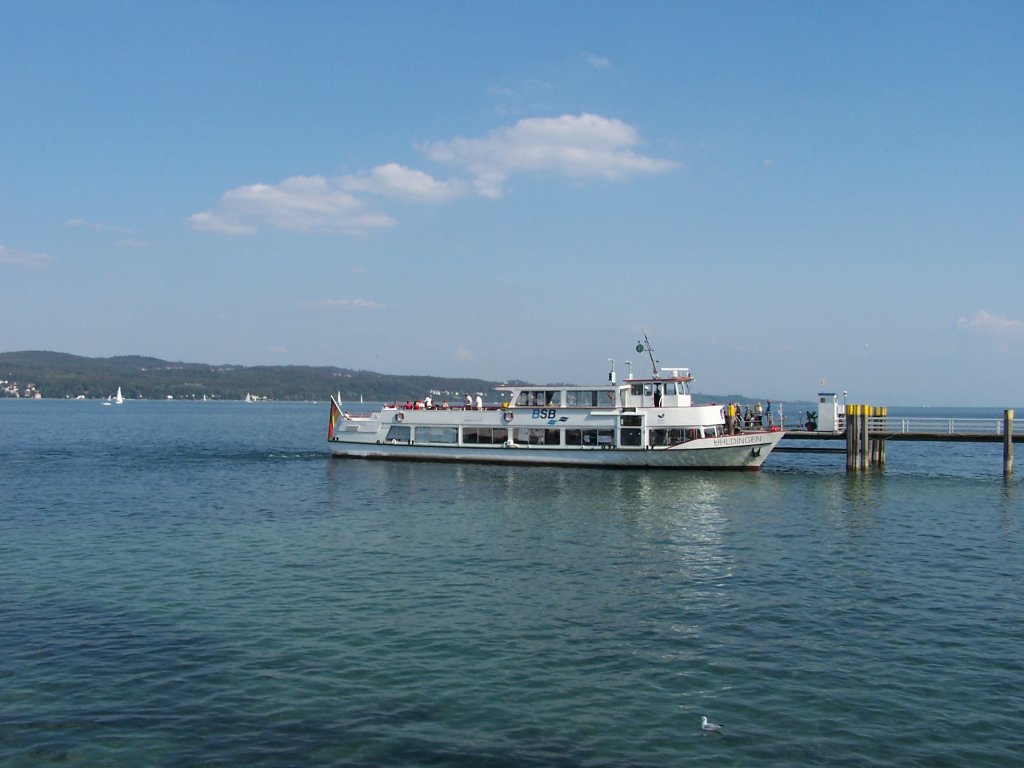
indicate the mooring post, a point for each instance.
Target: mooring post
{"x":851,"y":437}
{"x":865,"y":436}
{"x":883,"y":412}
{"x":1008,"y":442}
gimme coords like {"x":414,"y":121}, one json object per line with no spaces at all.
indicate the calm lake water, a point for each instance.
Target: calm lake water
{"x":187,"y":584}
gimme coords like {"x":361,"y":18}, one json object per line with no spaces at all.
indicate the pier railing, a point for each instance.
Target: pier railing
{"x":921,"y":425}
{"x":866,"y":429}
{"x":938,"y":426}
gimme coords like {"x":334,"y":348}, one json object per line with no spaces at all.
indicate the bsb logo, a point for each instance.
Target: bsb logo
{"x":551,"y":414}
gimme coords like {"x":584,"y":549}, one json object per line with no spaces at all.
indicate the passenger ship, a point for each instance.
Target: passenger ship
{"x":641,"y":422}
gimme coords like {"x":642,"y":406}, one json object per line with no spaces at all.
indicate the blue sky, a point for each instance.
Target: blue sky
{"x":782,"y":194}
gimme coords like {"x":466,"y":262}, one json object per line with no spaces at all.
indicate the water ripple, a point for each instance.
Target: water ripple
{"x":191,"y":599}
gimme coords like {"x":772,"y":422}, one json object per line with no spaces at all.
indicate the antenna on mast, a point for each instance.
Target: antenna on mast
{"x":645,"y":346}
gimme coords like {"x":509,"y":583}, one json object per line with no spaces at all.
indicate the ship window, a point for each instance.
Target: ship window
{"x":670,"y":387}
{"x":484,"y":435}
{"x":636,"y":390}
{"x":631,"y":421}
{"x":539,"y":398}
{"x":575,"y":398}
{"x":589,"y":438}
{"x":530,"y":436}
{"x":581,"y":398}
{"x":401,"y":434}
{"x":673,"y":436}
{"x":437,"y":434}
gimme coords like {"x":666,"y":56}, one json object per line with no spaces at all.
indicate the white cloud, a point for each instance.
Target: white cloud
{"x":222,"y":223}
{"x":342,"y":305}
{"x":301,"y":203}
{"x":18,"y":258}
{"x":397,"y":181}
{"x":597,"y":62}
{"x":985,"y":322}
{"x":577,"y":146}
{"x":574,"y":146}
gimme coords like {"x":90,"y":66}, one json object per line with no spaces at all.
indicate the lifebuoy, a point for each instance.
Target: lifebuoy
{"x":393,"y":441}
{"x":399,"y":416}
{"x":507,"y":416}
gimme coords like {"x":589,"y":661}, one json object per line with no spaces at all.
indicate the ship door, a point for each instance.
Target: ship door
{"x":631,"y":430}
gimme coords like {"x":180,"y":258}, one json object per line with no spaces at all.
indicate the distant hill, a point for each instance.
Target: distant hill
{"x":60,"y":375}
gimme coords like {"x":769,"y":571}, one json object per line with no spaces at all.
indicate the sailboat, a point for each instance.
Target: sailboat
{"x":118,"y":398}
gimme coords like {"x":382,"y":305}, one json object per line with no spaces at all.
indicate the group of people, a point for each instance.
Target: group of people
{"x":427,"y":404}
{"x":757,"y":417}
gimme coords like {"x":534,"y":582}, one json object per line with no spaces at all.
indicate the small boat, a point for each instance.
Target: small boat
{"x":647,"y":422}
{"x":118,"y":398}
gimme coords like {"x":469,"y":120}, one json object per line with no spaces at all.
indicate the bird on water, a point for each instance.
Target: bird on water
{"x":708,"y":727}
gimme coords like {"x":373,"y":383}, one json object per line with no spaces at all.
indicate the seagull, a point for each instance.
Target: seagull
{"x":708,"y":727}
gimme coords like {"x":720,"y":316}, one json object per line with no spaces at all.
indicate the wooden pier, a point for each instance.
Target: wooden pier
{"x":866,"y":429}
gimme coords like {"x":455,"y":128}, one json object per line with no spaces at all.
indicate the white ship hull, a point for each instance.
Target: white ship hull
{"x":746,"y":451}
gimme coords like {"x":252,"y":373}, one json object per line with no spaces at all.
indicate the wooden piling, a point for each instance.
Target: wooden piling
{"x":1008,"y":442}
{"x":863,"y":451}
{"x":851,"y":437}
{"x":878,"y":444}
{"x":865,"y":438}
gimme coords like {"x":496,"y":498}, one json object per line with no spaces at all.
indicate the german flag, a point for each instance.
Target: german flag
{"x":335,"y":415}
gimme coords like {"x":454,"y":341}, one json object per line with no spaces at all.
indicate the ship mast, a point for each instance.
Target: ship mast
{"x":646,"y":346}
